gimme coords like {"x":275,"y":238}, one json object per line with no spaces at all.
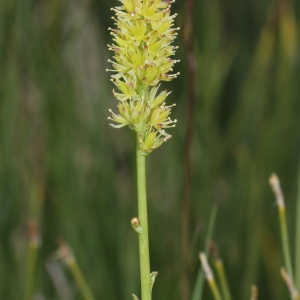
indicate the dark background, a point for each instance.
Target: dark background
{"x":64,"y":168}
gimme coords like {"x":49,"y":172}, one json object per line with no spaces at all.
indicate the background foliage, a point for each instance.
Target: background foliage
{"x":62,"y":166}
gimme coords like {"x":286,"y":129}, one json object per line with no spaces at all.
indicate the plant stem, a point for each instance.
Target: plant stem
{"x":297,"y":256}
{"x":66,"y":255}
{"x":31,"y":261}
{"x":223,"y":280}
{"x":275,"y":185}
{"x":290,"y":284}
{"x":210,"y":277}
{"x":214,"y":289}
{"x":81,"y":283}
{"x":198,"y":288}
{"x":285,"y":241}
{"x":143,"y":236}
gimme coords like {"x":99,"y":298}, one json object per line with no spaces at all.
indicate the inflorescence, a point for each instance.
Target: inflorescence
{"x":142,"y":50}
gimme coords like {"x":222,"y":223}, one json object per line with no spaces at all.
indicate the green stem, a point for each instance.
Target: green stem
{"x":210,"y":276}
{"x":198,"y":289}
{"x":214,"y":289}
{"x":223,"y":280}
{"x":285,"y":241}
{"x":275,"y":185}
{"x":81,"y":283}
{"x":30,"y":270}
{"x":143,"y":236}
{"x":297,"y":257}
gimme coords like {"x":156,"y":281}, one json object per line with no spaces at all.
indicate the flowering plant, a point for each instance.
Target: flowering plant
{"x":142,"y":59}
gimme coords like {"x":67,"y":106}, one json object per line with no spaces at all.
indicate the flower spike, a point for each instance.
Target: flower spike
{"x":142,"y":49}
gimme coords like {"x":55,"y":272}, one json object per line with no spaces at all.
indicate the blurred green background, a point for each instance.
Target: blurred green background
{"x":63,"y":168}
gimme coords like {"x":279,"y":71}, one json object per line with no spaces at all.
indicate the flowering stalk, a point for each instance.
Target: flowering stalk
{"x":210,"y":277}
{"x":142,"y":50}
{"x":143,"y":236}
{"x":65,"y":254}
{"x":275,"y":185}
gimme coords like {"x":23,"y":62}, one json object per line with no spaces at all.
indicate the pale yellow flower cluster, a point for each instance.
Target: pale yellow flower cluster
{"x":142,"y":50}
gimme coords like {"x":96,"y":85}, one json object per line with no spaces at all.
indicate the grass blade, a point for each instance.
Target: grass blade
{"x":198,"y":289}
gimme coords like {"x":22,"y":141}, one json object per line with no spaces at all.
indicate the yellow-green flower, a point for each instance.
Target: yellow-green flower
{"x":142,"y":59}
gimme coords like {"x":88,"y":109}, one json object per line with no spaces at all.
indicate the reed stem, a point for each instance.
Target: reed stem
{"x":198,"y":288}
{"x":81,"y":283}
{"x":33,"y":248}
{"x":285,"y":241}
{"x":297,"y":238}
{"x":222,"y":277}
{"x":210,"y":277}
{"x":65,"y":254}
{"x":275,"y":185}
